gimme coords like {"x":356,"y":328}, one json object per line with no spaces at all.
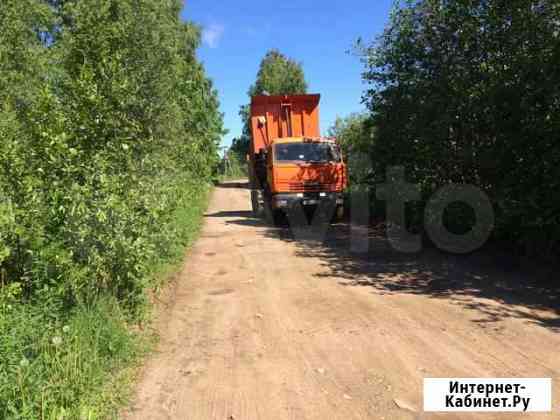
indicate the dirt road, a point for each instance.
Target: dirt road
{"x":262,"y":326}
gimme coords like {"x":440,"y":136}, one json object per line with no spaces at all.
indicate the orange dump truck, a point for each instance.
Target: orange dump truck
{"x":290,"y":164}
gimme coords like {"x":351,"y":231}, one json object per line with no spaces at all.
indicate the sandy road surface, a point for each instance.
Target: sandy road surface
{"x":261,"y":326}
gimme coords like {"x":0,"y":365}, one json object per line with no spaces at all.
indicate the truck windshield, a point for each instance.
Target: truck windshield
{"x":307,"y":152}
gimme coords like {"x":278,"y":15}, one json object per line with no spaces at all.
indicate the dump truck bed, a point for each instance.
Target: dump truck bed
{"x":274,"y":117}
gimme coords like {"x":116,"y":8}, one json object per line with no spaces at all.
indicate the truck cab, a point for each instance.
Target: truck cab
{"x":290,"y":164}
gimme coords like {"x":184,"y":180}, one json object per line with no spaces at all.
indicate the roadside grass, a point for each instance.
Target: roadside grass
{"x":56,"y":367}
{"x":80,"y":362}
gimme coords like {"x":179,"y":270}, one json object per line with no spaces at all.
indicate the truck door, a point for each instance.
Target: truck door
{"x":270,"y":169}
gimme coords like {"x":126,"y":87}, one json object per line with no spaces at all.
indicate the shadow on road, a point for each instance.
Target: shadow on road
{"x":242,"y":218}
{"x":233,"y":184}
{"x":240,"y":213}
{"x":476,"y":282}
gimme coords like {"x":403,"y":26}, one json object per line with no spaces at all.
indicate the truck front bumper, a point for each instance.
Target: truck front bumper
{"x":290,"y":200}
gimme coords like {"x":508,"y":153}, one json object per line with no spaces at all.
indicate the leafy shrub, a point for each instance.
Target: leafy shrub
{"x":97,"y":157}
{"x":109,"y":132}
{"x":467,"y":92}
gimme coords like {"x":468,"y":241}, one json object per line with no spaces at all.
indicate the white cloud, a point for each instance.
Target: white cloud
{"x":212,"y":34}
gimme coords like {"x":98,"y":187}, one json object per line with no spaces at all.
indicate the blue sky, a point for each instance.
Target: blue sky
{"x":237,"y":34}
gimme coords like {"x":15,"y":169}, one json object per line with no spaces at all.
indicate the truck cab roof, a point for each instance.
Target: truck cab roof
{"x":303,"y":140}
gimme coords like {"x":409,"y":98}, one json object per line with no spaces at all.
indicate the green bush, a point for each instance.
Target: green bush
{"x":98,"y":157}
{"x":467,"y":93}
{"x":109,"y":132}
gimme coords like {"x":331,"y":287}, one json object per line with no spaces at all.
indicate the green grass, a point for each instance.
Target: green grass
{"x":58,"y":368}
{"x":79,"y":362}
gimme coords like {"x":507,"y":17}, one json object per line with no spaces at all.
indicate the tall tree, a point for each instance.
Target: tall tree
{"x":279,"y":75}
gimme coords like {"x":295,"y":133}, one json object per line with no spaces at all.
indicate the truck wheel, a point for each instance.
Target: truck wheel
{"x":268,"y":213}
{"x":256,"y":206}
{"x":279,"y":217}
{"x":273,"y":216}
{"x":339,"y":214}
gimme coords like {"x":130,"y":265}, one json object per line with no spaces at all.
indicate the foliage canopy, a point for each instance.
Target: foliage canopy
{"x":468,"y":92}
{"x":107,"y":121}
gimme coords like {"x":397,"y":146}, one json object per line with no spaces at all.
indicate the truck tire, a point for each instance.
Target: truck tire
{"x":272,"y":216}
{"x":279,"y":217}
{"x":256,"y":206}
{"x":268,"y":213}
{"x":339,"y":214}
